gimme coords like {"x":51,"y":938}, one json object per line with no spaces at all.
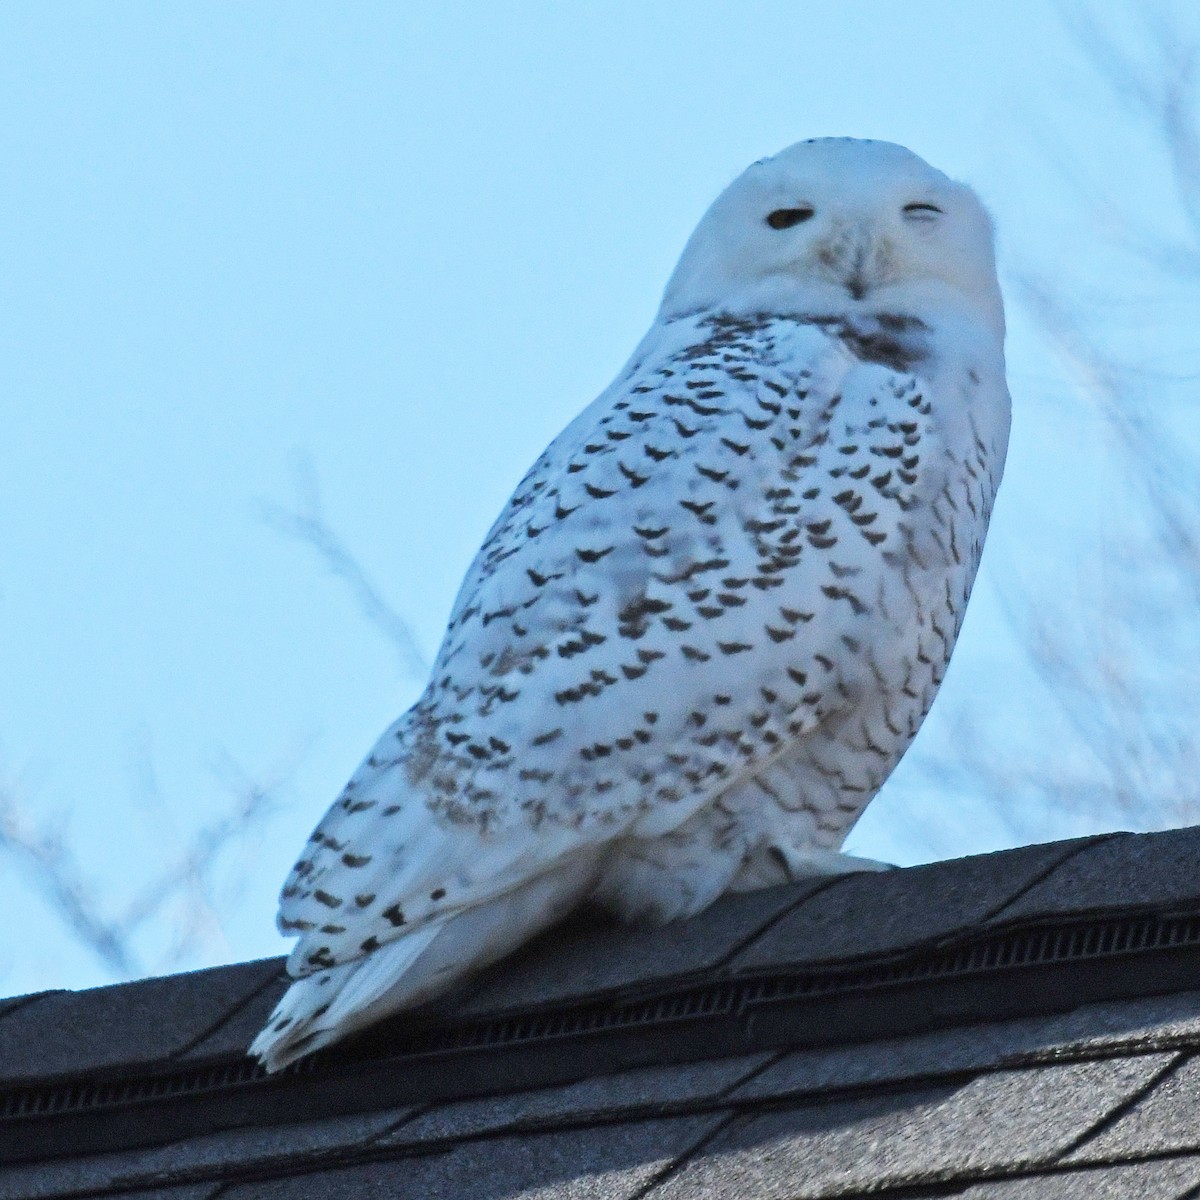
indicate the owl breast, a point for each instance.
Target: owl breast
{"x":899,"y":497}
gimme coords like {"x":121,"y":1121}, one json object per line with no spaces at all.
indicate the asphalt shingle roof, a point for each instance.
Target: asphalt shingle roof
{"x":1007,"y":1027}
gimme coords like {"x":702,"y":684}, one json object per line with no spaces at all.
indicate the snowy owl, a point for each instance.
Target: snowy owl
{"x":712,"y":616}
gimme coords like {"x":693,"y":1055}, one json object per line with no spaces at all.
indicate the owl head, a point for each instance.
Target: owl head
{"x":841,"y":225}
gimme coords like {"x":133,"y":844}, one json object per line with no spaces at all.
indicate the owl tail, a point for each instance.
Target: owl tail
{"x":418,"y":965}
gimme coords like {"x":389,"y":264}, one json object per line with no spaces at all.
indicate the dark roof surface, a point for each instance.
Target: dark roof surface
{"x":1006,"y":1027}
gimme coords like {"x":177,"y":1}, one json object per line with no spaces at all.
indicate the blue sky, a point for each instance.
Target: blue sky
{"x":405,"y":244}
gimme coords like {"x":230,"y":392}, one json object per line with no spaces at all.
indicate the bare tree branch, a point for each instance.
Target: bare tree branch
{"x":1164,"y":99}
{"x":1170,"y":485}
{"x":1113,"y":661}
{"x":184,"y":886}
{"x":306,"y":523}
{"x":189,"y":871}
{"x":57,"y":876}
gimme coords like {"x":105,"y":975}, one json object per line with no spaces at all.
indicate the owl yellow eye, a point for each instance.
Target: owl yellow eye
{"x":922,"y":211}
{"x":785,"y":218}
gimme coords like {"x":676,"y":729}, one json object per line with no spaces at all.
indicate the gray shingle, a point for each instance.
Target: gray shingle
{"x":607,"y":1162}
{"x":1006,"y":1120}
{"x":881,"y":913}
{"x":131,"y":1024}
{"x":967,"y":1049}
{"x":606,"y":1095}
{"x":11,"y":1003}
{"x":235,"y":1033}
{"x":582,"y":958}
{"x":215,"y":1155}
{"x":1156,"y":1022}
{"x":1166,"y":1119}
{"x":193,"y":1191}
{"x":1135,"y":1025}
{"x":1126,"y":871}
{"x":1171,"y":1179}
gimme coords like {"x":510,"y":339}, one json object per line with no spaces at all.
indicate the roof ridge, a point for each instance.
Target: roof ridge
{"x":1011,"y":972}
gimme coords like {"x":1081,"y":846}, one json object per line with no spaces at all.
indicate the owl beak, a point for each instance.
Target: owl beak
{"x":856,"y":285}
{"x":856,"y":278}
{"x":849,"y":258}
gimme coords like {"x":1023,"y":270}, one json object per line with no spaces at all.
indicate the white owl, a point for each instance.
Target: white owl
{"x":714,"y":613}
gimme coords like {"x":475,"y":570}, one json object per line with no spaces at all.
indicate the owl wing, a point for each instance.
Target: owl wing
{"x":681,"y":586}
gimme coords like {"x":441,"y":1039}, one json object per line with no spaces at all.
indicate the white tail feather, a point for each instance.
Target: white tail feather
{"x":325,"y":1007}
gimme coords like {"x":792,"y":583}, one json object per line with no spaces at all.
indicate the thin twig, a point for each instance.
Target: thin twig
{"x":80,"y":902}
{"x":1114,"y":664}
{"x":306,"y":523}
{"x":52,"y":868}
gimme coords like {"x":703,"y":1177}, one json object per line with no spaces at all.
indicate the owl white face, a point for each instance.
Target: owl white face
{"x":836,"y":225}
